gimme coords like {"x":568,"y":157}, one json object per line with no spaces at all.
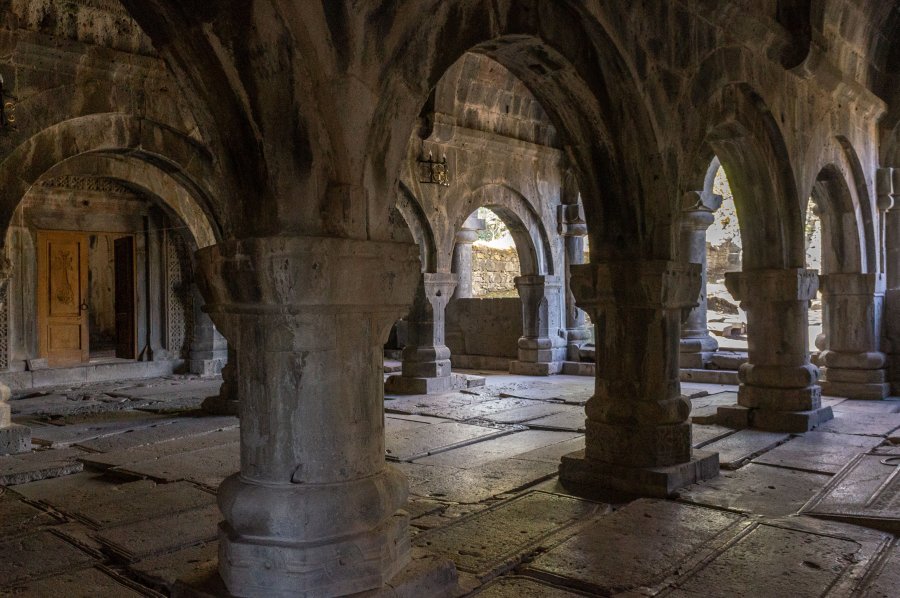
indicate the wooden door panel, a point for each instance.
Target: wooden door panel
{"x":62,"y":297}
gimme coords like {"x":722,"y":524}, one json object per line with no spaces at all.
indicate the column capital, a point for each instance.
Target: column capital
{"x":852,"y":283}
{"x":701,"y":201}
{"x":772,"y":285}
{"x":657,"y":284}
{"x":887,"y":188}
{"x":572,"y":222}
{"x":468,"y":232}
{"x":440,"y":285}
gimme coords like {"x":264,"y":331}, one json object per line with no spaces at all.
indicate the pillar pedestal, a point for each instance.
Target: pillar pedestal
{"x":779,"y":388}
{"x":539,"y":354}
{"x":426,"y":358}
{"x":853,"y":365}
{"x":638,"y":432}
{"x":573,"y":229}
{"x":314,"y":510}
{"x":697,"y":345}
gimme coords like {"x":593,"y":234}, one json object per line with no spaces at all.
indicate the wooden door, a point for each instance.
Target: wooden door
{"x":125,"y":304}
{"x":63,"y":334}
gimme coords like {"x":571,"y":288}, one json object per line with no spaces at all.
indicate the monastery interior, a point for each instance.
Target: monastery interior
{"x":430,"y":298}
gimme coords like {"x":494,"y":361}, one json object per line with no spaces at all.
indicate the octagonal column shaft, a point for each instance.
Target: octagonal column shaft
{"x":463,"y":256}
{"x":426,"y":358}
{"x":539,"y":354}
{"x":14,"y":438}
{"x":854,"y":366}
{"x":697,"y":344}
{"x":314,"y":510}
{"x":573,"y":228}
{"x":779,"y":385}
{"x":638,"y":432}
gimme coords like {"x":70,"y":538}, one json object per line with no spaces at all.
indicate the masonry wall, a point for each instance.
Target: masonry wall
{"x":494,"y":271}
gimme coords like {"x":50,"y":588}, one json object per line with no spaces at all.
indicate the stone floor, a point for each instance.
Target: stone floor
{"x":118,"y":496}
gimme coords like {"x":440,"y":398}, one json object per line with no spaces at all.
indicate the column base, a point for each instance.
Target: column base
{"x":578,"y":471}
{"x":697,"y":361}
{"x":220,"y":405}
{"x":403,"y":385}
{"x":739,"y":417}
{"x":528,"y":368}
{"x":856,"y":390}
{"x":356,"y":564}
{"x":207,"y":368}
{"x":15,"y":439}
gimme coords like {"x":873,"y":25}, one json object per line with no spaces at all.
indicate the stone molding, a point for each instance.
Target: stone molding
{"x":636,"y":285}
{"x":85,"y":183}
{"x":852,"y":284}
{"x":770,"y":286}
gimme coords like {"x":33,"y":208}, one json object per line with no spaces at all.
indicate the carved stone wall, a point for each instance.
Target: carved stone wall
{"x":4,"y":329}
{"x":179,"y":298}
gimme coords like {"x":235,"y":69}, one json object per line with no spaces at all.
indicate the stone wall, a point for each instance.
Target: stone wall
{"x":722,"y":258}
{"x":487,"y":327}
{"x":494,"y":271}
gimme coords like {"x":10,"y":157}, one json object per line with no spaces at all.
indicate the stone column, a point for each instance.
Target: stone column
{"x":638,"y":432}
{"x":573,"y":228}
{"x":13,"y":437}
{"x":697,"y":344}
{"x":888,"y":188}
{"x":538,"y":355}
{"x":314,"y":510}
{"x":226,"y":402}
{"x":426,"y":358}
{"x":854,"y":366}
{"x":779,"y":385}
{"x":462,"y":256}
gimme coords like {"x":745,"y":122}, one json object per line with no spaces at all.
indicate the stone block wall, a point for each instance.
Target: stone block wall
{"x":487,"y":327}
{"x":494,"y":271}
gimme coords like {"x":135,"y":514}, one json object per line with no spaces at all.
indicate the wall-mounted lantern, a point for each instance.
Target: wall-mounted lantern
{"x":434,"y":172}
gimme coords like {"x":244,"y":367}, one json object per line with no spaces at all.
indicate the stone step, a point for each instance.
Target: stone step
{"x":39,"y":465}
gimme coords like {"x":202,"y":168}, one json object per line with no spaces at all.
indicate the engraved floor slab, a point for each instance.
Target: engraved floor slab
{"x":483,"y":452}
{"x":37,"y":555}
{"x":91,"y":582}
{"x":822,"y":452}
{"x":575,"y":392}
{"x":172,"y":430}
{"x":63,"y":436}
{"x":166,"y":569}
{"x":504,"y":410}
{"x":531,"y":411}
{"x":39,"y":465}
{"x":703,"y":409}
{"x":883,"y":579}
{"x":159,"y":450}
{"x":554,"y":452}
{"x":498,"y":538}
{"x":784,"y":558}
{"x":738,"y":448}
{"x":758,"y":489}
{"x":639,"y":546}
{"x":524,"y":587}
{"x":17,"y":517}
{"x":209,"y":466}
{"x":866,"y":492}
{"x":571,"y":420}
{"x":863,"y":424}
{"x":888,"y":406}
{"x":163,"y":534}
{"x":476,"y":484}
{"x":410,"y":444}
{"x":168,"y":390}
{"x":701,"y":435}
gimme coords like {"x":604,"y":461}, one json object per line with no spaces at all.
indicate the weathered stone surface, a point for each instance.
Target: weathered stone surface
{"x":165,"y":431}
{"x":572,"y":420}
{"x":573,"y":391}
{"x":866,"y":492}
{"x":739,"y":448}
{"x":524,"y":587}
{"x":407,"y":445}
{"x":822,"y":452}
{"x":162,"y":534}
{"x":884,"y":577}
{"x":757,"y":489}
{"x":166,"y":569}
{"x":512,"y":445}
{"x":499,"y":537}
{"x":39,"y":465}
{"x":63,"y":436}
{"x":863,"y":424}
{"x":637,"y":547}
{"x":703,"y":435}
{"x":84,"y":582}
{"x":208,"y":466}
{"x":181,"y":446}
{"x":554,"y":452}
{"x":171,"y":390}
{"x":476,"y":484}
{"x":17,"y":517}
{"x":532,"y":412}
{"x":703,"y":409}
{"x":37,"y":555}
{"x":887,"y":406}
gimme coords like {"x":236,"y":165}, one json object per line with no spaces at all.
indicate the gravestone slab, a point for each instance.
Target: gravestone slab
{"x":742,"y":446}
{"x":512,"y":445}
{"x":17,"y":517}
{"x":572,"y":420}
{"x":37,"y":555}
{"x":574,"y":392}
{"x":92,"y":582}
{"x":162,"y":534}
{"x":173,"y":430}
{"x":883,"y":578}
{"x":822,"y":452}
{"x":63,"y":436}
{"x":524,"y":587}
{"x":408,"y":445}
{"x":39,"y":465}
{"x":166,"y":569}
{"x":553,"y":453}
{"x":469,"y":408}
{"x":640,"y":546}
{"x":476,"y":484}
{"x":498,"y":538}
{"x":159,"y":450}
{"x":866,"y":492}
{"x":528,"y":412}
{"x":702,"y":435}
{"x":863,"y":424}
{"x":209,"y":466}
{"x":757,"y":489}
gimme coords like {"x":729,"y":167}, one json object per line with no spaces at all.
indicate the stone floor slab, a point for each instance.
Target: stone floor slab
{"x":37,"y":555}
{"x":498,"y":538}
{"x":552,"y":453}
{"x":637,"y":547}
{"x":39,"y":465}
{"x":18,"y":517}
{"x":822,"y":452}
{"x":574,"y":392}
{"x":93,"y":582}
{"x":758,"y":489}
{"x":866,"y":492}
{"x":703,"y":409}
{"x":872,"y":407}
{"x":164,"y":570}
{"x":161,"y":535}
{"x":531,"y":411}
{"x":411,"y":444}
{"x":477,"y":484}
{"x":168,"y":430}
{"x":702,"y":435}
{"x":209,"y":466}
{"x":159,"y":450}
{"x":780,"y":559}
{"x":511,"y":445}
{"x":168,"y":390}
{"x":64,"y":436}
{"x":742,"y":446}
{"x":883,"y":579}
{"x":524,"y":587}
{"x":572,"y":421}
{"x":863,"y":424}
{"x":505,"y":410}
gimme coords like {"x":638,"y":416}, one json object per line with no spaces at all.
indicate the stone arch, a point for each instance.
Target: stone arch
{"x":525,"y":226}
{"x":139,"y":140}
{"x":419,"y":227}
{"x":842,"y":247}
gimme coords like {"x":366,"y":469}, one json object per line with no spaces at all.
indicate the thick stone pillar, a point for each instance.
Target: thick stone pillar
{"x":853,"y":364}
{"x":541,"y":352}
{"x":426,"y":358}
{"x":573,"y":228}
{"x":779,"y":385}
{"x":638,"y":432}
{"x":13,"y":437}
{"x":226,"y":402}
{"x":697,"y":344}
{"x":315,"y":510}
{"x":888,"y":188}
{"x":463,"y":256}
